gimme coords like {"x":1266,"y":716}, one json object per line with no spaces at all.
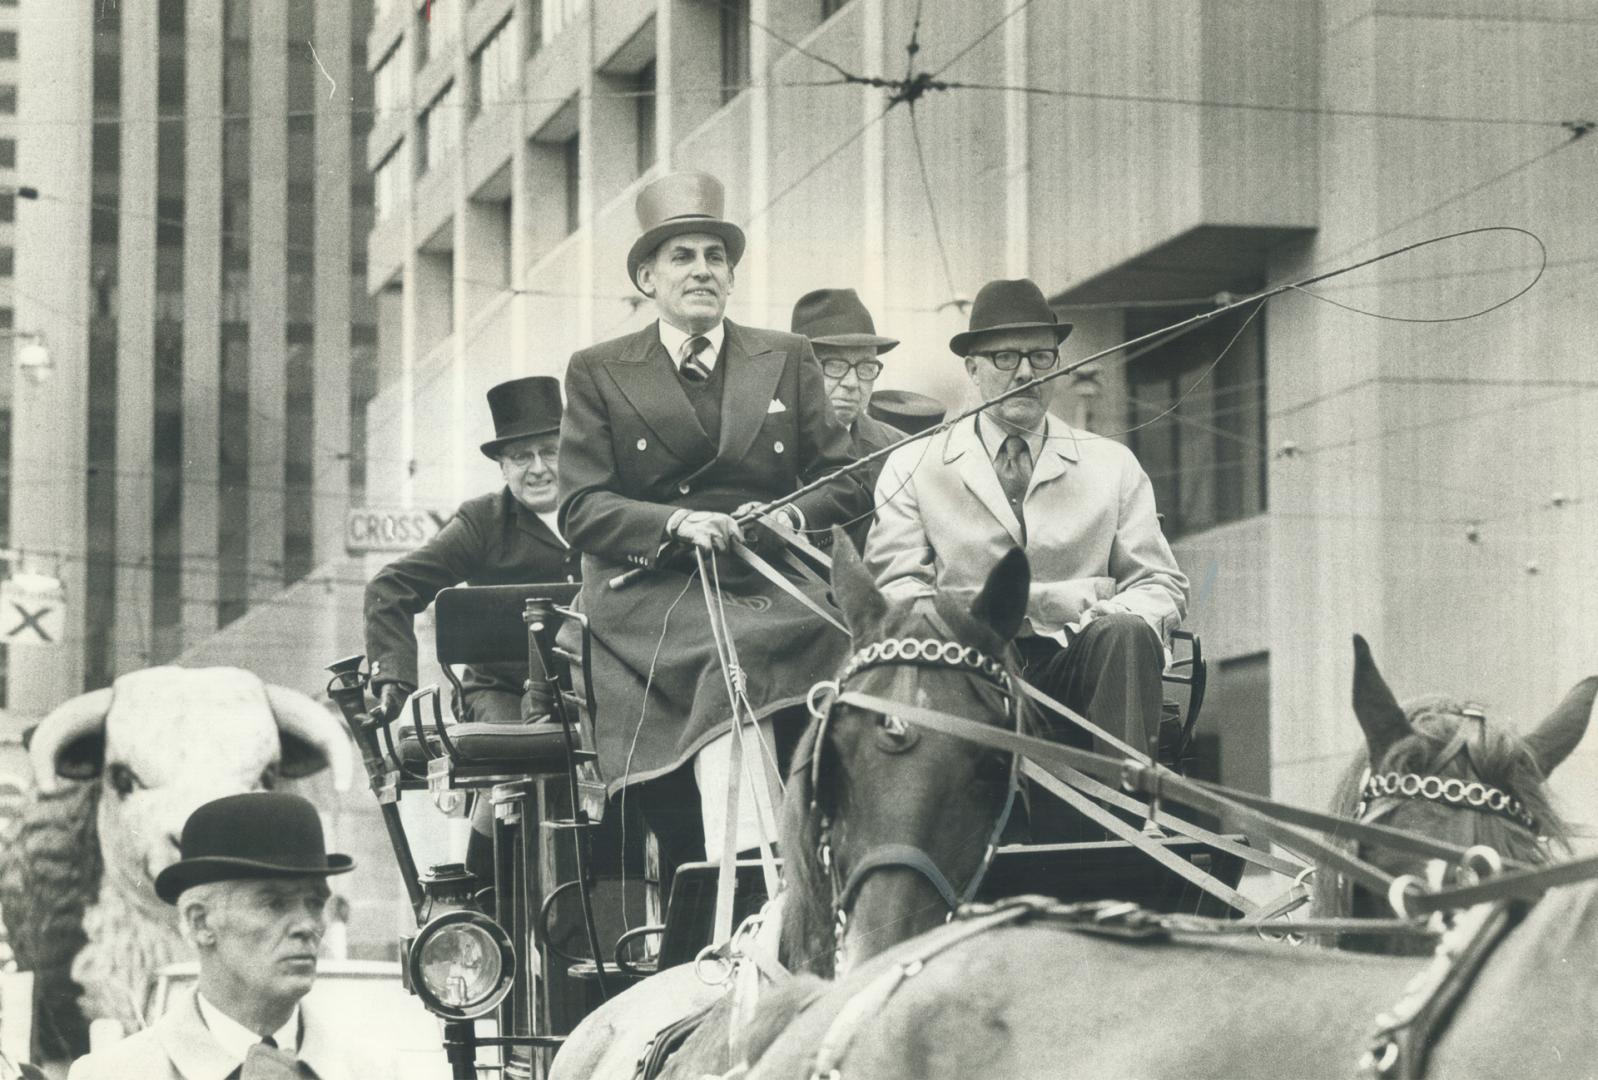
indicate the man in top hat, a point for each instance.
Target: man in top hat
{"x":506,"y":537}
{"x":1106,"y":591}
{"x":671,"y":433}
{"x":251,"y":892}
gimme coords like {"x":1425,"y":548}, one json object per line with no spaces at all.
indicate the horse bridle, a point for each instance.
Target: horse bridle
{"x":1453,"y":791}
{"x":826,"y":695}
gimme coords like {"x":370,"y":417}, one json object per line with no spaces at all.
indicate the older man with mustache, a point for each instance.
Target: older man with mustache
{"x":1106,"y":591}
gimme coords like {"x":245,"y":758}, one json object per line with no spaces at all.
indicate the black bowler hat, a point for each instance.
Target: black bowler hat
{"x":906,"y":410}
{"x":260,"y":834}
{"x":838,"y":317}
{"x":1009,"y":305}
{"x":677,"y":203}
{"x":523,"y":407}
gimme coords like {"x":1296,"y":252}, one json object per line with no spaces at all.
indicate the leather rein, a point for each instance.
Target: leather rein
{"x":902,"y":652}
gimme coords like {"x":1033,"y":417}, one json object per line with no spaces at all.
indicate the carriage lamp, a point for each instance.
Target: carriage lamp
{"x":460,"y":964}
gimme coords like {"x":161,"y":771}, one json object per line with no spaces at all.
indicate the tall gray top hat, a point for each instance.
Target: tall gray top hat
{"x":677,"y":203}
{"x":1009,"y":305}
{"x":838,"y":317}
{"x":260,"y":834}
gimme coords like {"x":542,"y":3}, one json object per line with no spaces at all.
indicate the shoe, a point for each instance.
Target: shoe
{"x":1152,"y":829}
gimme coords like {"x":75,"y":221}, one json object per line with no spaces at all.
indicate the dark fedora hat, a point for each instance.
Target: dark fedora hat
{"x":260,"y":834}
{"x":837,"y":317}
{"x":523,"y":407}
{"x":677,"y":203}
{"x":1009,"y":305}
{"x":906,"y":410}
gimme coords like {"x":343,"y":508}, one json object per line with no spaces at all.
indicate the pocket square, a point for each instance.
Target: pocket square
{"x":775,"y":407}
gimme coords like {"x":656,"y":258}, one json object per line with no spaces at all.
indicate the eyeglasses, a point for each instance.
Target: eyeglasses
{"x":1009,"y":360}
{"x":864,"y":370}
{"x":524,"y":456}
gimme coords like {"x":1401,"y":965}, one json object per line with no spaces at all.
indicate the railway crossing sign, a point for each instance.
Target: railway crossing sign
{"x":33,"y":610}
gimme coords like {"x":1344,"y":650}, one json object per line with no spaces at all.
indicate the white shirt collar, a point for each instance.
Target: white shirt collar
{"x":236,"y":1039}
{"x":551,"y":519}
{"x":993,"y":434}
{"x":674,"y":339}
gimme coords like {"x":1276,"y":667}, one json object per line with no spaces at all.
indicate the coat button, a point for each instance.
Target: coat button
{"x":777,"y":446}
{"x":683,"y":488}
{"x":643,"y":444}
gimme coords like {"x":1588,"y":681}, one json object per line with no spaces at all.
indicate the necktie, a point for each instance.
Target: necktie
{"x":1014,"y":466}
{"x":266,"y":1062}
{"x":693,"y":368}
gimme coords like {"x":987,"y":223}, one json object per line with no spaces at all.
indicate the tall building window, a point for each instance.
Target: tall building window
{"x":8,"y":44}
{"x":437,"y":129}
{"x":386,"y":183}
{"x":557,"y":15}
{"x":233,"y":375}
{"x":734,"y":48}
{"x":386,"y":83}
{"x":829,"y":8}
{"x":8,"y":99}
{"x":8,"y":153}
{"x":644,"y":87}
{"x":363,"y":309}
{"x":572,"y":155}
{"x":8,"y":260}
{"x":494,"y":69}
{"x":1205,"y":459}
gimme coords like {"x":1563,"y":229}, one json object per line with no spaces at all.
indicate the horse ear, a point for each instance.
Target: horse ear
{"x":852,"y":585}
{"x":1561,"y":732}
{"x":1380,"y":716}
{"x":1002,"y":602}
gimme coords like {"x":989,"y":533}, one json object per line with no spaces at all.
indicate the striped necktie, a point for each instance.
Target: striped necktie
{"x":1014,"y":466}
{"x":692,"y":368}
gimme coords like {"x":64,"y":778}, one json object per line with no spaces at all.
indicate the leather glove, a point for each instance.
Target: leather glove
{"x":391,"y":700}
{"x":538,"y":701}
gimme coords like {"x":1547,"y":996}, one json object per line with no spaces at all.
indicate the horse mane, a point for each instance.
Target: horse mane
{"x":806,"y":943}
{"x":1500,"y":757}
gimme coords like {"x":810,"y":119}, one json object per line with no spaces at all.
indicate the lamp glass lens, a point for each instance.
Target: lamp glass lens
{"x":460,"y":965}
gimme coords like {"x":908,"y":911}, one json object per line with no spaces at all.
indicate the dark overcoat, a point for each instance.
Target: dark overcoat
{"x":491,"y":540}
{"x":633,"y":450}
{"x":866,"y":435}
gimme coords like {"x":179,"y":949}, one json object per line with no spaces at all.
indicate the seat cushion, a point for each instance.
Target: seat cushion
{"x":522,"y":748}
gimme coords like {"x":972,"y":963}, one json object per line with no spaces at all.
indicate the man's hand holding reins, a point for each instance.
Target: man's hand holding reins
{"x":707,"y":530}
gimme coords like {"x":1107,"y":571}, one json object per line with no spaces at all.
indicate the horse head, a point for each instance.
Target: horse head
{"x":1441,"y":767}
{"x":887,"y":826}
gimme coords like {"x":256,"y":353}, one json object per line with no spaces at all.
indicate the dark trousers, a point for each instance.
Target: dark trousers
{"x":1110,"y":674}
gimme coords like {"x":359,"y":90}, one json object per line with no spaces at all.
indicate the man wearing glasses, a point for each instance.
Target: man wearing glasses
{"x":507,"y":537}
{"x":1106,"y":591}
{"x":849,"y":349}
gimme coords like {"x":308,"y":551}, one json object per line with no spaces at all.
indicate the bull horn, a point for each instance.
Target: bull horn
{"x":66,"y":724}
{"x":303,"y":718}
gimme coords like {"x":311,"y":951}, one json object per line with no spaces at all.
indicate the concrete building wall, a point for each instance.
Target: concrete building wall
{"x":1174,"y":152}
{"x":175,"y":406}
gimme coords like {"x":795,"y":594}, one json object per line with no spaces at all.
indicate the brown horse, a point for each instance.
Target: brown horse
{"x":869,"y":789}
{"x":1452,"y":740}
{"x":1036,"y":1000}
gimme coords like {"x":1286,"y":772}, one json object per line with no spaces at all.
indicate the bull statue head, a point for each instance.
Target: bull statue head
{"x":162,"y":741}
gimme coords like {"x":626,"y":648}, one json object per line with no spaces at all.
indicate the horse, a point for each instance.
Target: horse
{"x":1476,"y":761}
{"x":1026,"y":998}
{"x":877,"y":819}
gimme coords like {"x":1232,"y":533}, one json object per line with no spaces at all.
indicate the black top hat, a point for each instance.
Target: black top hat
{"x":677,"y":203}
{"x":837,"y":317}
{"x":260,"y":834}
{"x":523,"y":407}
{"x":1009,"y":305}
{"x":906,"y":410}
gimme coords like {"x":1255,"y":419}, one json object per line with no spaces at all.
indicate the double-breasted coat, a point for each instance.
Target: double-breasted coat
{"x":491,"y":540}
{"x":1091,"y":530}
{"x":634,"y":450}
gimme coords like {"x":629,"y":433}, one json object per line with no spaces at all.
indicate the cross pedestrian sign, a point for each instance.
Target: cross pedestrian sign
{"x":33,"y":610}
